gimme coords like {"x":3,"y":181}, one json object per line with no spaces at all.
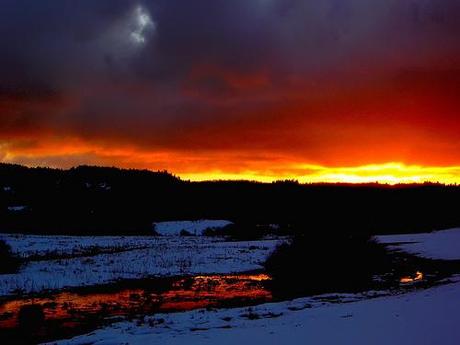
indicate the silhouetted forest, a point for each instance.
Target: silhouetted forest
{"x":95,"y":200}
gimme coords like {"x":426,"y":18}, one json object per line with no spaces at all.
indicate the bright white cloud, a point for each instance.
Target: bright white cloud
{"x":142,"y":25}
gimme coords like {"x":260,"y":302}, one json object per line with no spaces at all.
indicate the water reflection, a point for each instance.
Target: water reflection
{"x":411,"y":279}
{"x":71,"y":310}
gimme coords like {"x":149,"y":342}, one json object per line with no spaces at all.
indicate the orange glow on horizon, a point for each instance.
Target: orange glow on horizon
{"x":387,"y":173}
{"x":226,"y":165}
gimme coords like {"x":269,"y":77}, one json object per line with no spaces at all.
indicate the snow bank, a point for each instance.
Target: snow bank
{"x":436,"y":245}
{"x":194,"y":227}
{"x":17,"y":208}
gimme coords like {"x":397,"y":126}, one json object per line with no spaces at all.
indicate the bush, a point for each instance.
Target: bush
{"x":31,"y":318}
{"x":8,"y":262}
{"x":322,"y":263}
{"x":185,"y":233}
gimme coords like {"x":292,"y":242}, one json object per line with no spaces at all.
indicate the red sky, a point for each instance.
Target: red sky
{"x":330,"y":91}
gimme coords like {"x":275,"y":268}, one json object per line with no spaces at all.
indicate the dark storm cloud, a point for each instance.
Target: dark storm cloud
{"x":204,"y":61}
{"x":50,"y":40}
{"x":47,"y":40}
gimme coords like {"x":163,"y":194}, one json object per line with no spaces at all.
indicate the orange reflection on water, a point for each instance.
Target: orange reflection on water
{"x":207,"y":291}
{"x":410,"y":279}
{"x":179,"y":295}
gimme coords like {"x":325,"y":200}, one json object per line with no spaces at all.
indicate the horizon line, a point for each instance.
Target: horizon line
{"x":392,"y":173}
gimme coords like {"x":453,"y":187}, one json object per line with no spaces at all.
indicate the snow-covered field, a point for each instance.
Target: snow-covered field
{"x":436,"y":245}
{"x":428,"y":316}
{"x":95,"y":260}
{"x":41,"y":245}
{"x":27,"y":246}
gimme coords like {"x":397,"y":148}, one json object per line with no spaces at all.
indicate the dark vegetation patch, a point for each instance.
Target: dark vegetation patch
{"x":9,"y":263}
{"x":31,"y":318}
{"x":185,"y":233}
{"x":248,"y":231}
{"x":322,"y":263}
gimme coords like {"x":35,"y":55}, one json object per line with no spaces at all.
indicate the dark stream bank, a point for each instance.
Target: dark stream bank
{"x":66,"y":313}
{"x":46,"y":317}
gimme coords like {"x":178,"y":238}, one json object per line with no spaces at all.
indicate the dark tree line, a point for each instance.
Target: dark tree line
{"x":95,"y":200}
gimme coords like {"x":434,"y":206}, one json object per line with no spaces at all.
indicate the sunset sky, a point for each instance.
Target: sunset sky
{"x":331,"y":90}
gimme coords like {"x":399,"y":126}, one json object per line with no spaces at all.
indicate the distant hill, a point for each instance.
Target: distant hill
{"x":98,"y":200}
